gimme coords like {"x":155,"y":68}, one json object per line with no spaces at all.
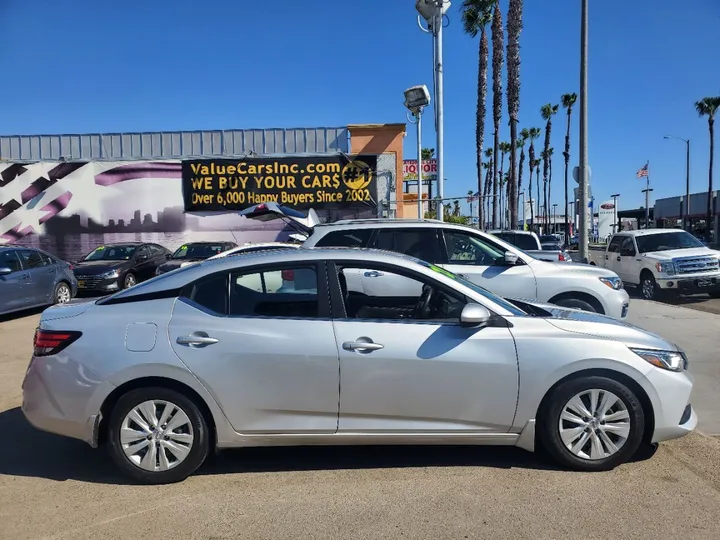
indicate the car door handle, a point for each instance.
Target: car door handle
{"x":362,"y":346}
{"x":25,"y":276}
{"x":373,"y":273}
{"x":607,"y":257}
{"x":618,"y":258}
{"x":196,"y":340}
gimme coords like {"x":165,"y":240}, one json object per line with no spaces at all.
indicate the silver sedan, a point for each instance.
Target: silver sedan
{"x":289,"y":348}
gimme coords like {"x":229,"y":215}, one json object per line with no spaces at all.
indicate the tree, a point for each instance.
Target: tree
{"x":538,"y":162}
{"x":524,"y":136}
{"x":504,"y":149}
{"x":568,"y":100}
{"x":488,"y":181}
{"x":548,"y":202}
{"x":427,"y":154}
{"x":514,"y":27}
{"x":708,"y":107}
{"x":533,"y":133}
{"x":497,"y":64}
{"x":476,"y":15}
{"x":547,"y":111}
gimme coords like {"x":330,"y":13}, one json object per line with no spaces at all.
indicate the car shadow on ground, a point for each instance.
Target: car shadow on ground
{"x":21,"y":314}
{"x":36,"y":454}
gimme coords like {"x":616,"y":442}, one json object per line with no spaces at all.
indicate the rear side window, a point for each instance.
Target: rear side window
{"x":33,"y":259}
{"x":358,"y":238}
{"x":525,"y":242}
{"x":421,"y":243}
{"x":275,"y":292}
{"x":211,"y":293}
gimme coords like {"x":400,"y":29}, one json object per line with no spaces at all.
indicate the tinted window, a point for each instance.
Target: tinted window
{"x":48,"y":259}
{"x":419,"y":243}
{"x":210,"y":293}
{"x":32,"y":259}
{"x":615,"y":244}
{"x":278,"y":292}
{"x":463,"y":248}
{"x":525,"y":241}
{"x":351,"y":239}
{"x":627,"y":247}
{"x":156,"y":250}
{"x":10,"y":260}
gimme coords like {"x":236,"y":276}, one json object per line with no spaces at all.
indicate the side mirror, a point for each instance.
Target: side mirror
{"x":474,"y":315}
{"x":510,"y":258}
{"x":168,"y":256}
{"x":142,"y":257}
{"x":5,"y":270}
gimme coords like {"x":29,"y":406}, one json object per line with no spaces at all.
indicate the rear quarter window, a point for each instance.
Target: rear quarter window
{"x":358,"y":238}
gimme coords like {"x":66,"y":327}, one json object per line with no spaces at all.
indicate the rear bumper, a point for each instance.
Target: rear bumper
{"x":56,"y":397}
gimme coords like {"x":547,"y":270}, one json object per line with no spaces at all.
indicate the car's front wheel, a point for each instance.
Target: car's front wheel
{"x":129,"y":281}
{"x":592,"y":423}
{"x":157,"y":435}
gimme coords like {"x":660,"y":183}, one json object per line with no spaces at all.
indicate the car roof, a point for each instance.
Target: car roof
{"x":648,"y":232}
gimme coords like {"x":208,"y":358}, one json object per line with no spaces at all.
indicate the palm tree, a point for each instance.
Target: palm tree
{"x":548,"y":158}
{"x":524,"y":135}
{"x":514,"y":27}
{"x":427,"y":153}
{"x":568,"y":100}
{"x":476,"y":15}
{"x":497,"y":63}
{"x":708,"y":107}
{"x":504,"y":149}
{"x":533,"y":133}
{"x":538,"y":162}
{"x":547,"y":111}
{"x":489,"y":165}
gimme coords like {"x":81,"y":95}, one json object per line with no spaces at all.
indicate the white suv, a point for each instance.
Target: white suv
{"x":481,"y":258}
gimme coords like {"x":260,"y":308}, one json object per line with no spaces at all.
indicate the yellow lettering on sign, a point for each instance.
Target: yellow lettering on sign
{"x":198,"y":198}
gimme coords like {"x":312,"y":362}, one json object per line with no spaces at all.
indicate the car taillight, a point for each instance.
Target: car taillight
{"x":47,"y":342}
{"x":288,"y":275}
{"x":561,"y":257}
{"x":71,"y":267}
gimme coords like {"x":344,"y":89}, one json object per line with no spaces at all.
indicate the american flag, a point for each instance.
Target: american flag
{"x":643,"y":172}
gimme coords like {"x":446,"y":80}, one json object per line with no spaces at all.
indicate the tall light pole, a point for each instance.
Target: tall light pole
{"x":647,"y":191}
{"x":686,"y":217}
{"x":554,"y":227}
{"x":416,"y":99}
{"x":522,"y":194}
{"x":615,"y":198}
{"x":433,"y":11}
{"x":583,"y":172}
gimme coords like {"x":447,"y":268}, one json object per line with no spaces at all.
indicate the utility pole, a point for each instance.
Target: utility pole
{"x":583,"y":172}
{"x":615,"y":222}
{"x":647,"y":191}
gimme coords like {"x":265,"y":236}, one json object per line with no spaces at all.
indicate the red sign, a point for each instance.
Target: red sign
{"x":607,"y":206}
{"x":410,"y":169}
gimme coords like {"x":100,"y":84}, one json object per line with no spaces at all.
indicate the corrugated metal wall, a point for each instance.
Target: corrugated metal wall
{"x":173,"y":144}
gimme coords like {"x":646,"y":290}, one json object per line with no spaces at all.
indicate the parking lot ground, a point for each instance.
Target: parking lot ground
{"x":51,"y":487}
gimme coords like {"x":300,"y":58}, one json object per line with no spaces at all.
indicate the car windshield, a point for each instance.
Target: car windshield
{"x":111,"y":253}
{"x":474,"y":287}
{"x":668,"y":240}
{"x":198,"y":251}
{"x":548,"y":238}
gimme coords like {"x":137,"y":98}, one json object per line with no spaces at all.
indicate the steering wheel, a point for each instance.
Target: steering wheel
{"x":422,"y":308}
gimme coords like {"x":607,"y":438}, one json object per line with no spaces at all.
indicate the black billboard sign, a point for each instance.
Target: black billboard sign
{"x":335,"y":181}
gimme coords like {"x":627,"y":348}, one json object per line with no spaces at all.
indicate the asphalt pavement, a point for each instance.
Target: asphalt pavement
{"x":57,"y":488}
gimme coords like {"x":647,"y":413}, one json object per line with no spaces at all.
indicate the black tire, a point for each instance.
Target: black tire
{"x":576,"y":303}
{"x":549,"y":430}
{"x":715,"y":294}
{"x":198,"y":451}
{"x":648,"y":287}
{"x":62,"y":293}
{"x":129,"y":277}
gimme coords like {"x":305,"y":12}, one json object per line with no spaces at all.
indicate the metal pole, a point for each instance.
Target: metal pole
{"x":647,"y":201}
{"x":686,"y":222}
{"x":583,"y":165}
{"x":437,"y":31}
{"x":523,"y":209}
{"x":418,"y":116}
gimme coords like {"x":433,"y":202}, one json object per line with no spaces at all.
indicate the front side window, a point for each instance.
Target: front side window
{"x":421,"y":243}
{"x":290,"y":291}
{"x":628,"y":247}
{"x":32,"y":259}
{"x":111,"y":253}
{"x":9,"y":259}
{"x":463,"y":248}
{"x":615,"y":244}
{"x":357,"y":238}
{"x":396,"y":296}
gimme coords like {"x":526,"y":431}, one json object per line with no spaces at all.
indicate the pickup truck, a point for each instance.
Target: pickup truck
{"x":469,"y":253}
{"x":661,"y":262}
{"x":530,"y":243}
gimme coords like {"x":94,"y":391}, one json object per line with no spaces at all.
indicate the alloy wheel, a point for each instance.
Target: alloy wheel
{"x":130,"y":281}
{"x":63,"y":294}
{"x":648,"y":289}
{"x":594,"y":424}
{"x":156,"y":435}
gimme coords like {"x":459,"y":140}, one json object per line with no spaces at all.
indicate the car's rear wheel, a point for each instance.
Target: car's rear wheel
{"x":62,"y":294}
{"x":129,"y":281}
{"x":157,"y":435}
{"x":592,"y":424}
{"x":576,"y":303}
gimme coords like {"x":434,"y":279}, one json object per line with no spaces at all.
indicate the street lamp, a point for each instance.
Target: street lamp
{"x":615,"y":198}
{"x":416,"y":99}
{"x":433,"y":11}
{"x":686,"y":217}
{"x":522,"y":194}
{"x":554,"y":227}
{"x":647,"y":191}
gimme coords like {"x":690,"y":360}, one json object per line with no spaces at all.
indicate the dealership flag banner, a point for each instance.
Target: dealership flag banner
{"x":303,"y":182}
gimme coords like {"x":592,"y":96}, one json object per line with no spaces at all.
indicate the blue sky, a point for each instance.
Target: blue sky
{"x":74,"y":66}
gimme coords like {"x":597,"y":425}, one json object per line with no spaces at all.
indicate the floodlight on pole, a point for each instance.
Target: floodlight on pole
{"x":416,"y":99}
{"x":434,"y":14}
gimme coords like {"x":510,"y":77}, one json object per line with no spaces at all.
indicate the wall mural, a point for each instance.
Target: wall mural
{"x":69,"y":208}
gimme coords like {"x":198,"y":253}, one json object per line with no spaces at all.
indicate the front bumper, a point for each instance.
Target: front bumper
{"x":690,"y":283}
{"x":616,"y":304}
{"x":57,"y":392}
{"x":674,"y":415}
{"x":90,"y":284}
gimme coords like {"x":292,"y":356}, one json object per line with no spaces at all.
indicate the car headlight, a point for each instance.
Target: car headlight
{"x":666,"y":268}
{"x":612,"y":282}
{"x":112,"y":274}
{"x":670,"y":360}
